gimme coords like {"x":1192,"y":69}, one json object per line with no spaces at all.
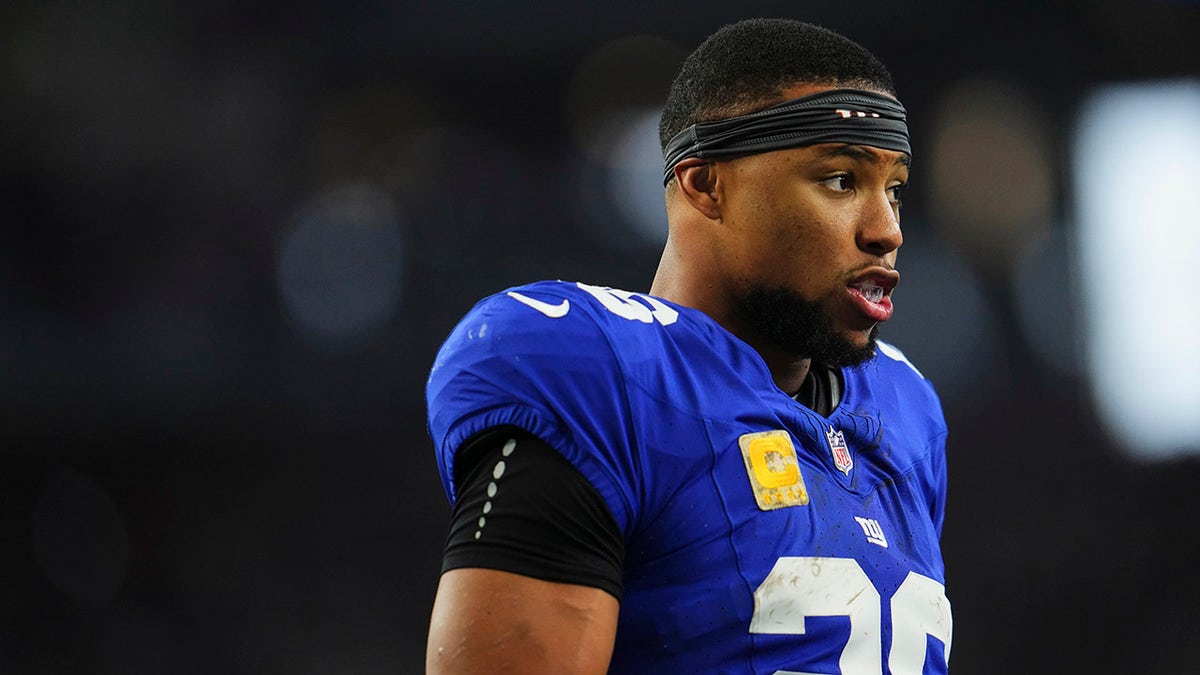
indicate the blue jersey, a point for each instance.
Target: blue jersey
{"x":761,"y":537}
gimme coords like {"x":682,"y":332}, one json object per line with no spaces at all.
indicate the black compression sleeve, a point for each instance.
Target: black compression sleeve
{"x":523,"y":508}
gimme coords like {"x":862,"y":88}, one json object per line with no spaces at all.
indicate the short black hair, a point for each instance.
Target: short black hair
{"x":745,"y":66}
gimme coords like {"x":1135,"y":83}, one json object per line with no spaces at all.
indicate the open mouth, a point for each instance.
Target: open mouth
{"x":870,"y":290}
{"x":872,"y":294}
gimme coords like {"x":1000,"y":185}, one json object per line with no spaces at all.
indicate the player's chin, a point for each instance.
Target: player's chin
{"x":859,"y":340}
{"x":857,"y":345}
{"x":859,"y":330}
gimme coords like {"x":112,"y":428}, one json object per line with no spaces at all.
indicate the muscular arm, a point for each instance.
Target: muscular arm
{"x":488,"y":621}
{"x":533,"y":565}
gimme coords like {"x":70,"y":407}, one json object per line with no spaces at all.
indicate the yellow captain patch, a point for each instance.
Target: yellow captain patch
{"x":773,"y":469}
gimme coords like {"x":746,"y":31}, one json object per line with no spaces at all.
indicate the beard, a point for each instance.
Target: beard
{"x":790,"y":322}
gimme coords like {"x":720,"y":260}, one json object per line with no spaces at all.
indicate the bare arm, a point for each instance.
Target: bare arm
{"x":488,"y":621}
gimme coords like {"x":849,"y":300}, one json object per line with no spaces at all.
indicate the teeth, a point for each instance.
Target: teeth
{"x":870,"y":291}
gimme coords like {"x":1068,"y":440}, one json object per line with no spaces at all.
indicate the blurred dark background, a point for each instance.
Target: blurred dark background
{"x":234,"y":235}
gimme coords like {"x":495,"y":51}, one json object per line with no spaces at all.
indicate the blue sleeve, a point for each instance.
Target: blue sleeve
{"x":548,"y":368}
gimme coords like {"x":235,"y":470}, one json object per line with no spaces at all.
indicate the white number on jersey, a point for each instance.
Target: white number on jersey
{"x":623,"y":305}
{"x":800,"y":587}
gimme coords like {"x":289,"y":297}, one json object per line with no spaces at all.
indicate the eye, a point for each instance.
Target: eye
{"x":842,"y":182}
{"x":896,"y":194}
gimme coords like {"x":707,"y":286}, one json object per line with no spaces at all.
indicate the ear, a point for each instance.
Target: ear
{"x":697,"y":182}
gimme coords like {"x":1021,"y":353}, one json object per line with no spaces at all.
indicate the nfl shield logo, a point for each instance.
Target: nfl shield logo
{"x":841,"y":454}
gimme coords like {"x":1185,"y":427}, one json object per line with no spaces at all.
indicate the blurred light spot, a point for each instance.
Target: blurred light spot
{"x":79,"y":539}
{"x":992,"y":178}
{"x":612,"y":105}
{"x":340,"y":264}
{"x":1136,"y":168}
{"x":627,"y":74}
{"x":1044,"y":286}
{"x":635,"y":178}
{"x":462,"y":189}
{"x":942,"y":322}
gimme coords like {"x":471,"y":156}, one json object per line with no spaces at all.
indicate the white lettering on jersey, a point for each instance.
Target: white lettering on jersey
{"x":553,"y":311}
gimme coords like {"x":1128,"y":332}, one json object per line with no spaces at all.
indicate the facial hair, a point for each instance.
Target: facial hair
{"x":790,"y":322}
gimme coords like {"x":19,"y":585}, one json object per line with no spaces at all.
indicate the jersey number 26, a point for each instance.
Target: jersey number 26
{"x":800,"y":587}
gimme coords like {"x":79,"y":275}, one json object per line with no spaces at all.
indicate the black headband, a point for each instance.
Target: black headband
{"x":836,"y":116}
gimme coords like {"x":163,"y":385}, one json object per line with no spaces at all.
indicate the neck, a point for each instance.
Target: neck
{"x":691,"y":272}
{"x":787,"y":370}
{"x":672,"y":283}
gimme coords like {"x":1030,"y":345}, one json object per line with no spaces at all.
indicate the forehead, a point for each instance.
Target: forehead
{"x":861,"y":153}
{"x":824,"y":158}
{"x":828,"y":156}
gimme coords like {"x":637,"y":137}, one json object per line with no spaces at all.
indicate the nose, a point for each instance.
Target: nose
{"x":879,"y":229}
